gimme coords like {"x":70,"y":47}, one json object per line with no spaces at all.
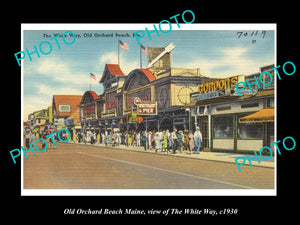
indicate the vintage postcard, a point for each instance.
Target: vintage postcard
{"x":117,"y":109}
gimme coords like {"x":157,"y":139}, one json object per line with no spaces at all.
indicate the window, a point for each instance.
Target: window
{"x":223,"y":108}
{"x":250,"y":105}
{"x":250,"y":130}
{"x":223,"y":126}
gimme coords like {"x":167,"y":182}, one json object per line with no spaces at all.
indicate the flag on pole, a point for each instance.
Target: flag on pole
{"x":93,"y":76}
{"x":143,"y":49}
{"x":123,"y":45}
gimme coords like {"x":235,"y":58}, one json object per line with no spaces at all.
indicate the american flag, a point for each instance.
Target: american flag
{"x":143,"y":49}
{"x":93,"y":76}
{"x":123,"y":45}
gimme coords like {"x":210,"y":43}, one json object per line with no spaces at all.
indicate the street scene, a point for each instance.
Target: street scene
{"x":86,"y":166}
{"x":164,"y":114}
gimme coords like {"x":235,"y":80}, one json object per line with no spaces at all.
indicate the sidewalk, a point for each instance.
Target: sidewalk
{"x":213,"y":156}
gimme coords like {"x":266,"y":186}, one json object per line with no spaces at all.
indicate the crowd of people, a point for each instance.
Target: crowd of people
{"x":31,"y":137}
{"x":155,"y":140}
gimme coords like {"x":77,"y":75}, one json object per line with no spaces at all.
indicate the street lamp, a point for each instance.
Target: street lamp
{"x":189,"y":112}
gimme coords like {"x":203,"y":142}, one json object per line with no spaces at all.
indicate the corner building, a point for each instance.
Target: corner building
{"x":169,"y":87}
{"x":185,"y":100}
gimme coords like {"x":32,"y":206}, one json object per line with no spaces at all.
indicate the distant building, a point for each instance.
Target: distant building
{"x":37,"y":120}
{"x":63,"y":106}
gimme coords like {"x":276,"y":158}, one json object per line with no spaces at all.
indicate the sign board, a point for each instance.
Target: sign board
{"x":145,"y":108}
{"x":218,"y":85}
{"x":111,"y":100}
{"x":64,"y":108}
{"x":143,"y":95}
{"x":207,"y":95}
{"x":50,"y":114}
{"x":90,"y":109}
{"x":139,"y":119}
{"x":132,"y":117}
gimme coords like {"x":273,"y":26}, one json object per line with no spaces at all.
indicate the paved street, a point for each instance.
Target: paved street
{"x":73,"y":166}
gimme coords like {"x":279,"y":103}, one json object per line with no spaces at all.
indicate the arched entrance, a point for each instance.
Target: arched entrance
{"x":166,"y":123}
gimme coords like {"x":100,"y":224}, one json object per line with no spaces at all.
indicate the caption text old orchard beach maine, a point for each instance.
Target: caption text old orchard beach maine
{"x":92,"y":35}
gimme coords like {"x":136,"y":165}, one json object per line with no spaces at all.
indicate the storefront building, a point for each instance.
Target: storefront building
{"x":38,"y":120}
{"x":230,"y":123}
{"x":115,"y":108}
{"x":183,"y":99}
{"x":62,"y":107}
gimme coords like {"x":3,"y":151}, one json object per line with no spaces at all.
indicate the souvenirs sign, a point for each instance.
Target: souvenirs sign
{"x":145,"y":108}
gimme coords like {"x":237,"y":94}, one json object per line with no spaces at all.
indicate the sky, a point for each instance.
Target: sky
{"x":218,"y":53}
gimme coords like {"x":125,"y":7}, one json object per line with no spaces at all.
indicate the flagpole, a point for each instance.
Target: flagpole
{"x":119,"y":52}
{"x":90,"y":83}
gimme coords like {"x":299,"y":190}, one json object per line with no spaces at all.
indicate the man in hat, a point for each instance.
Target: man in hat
{"x":198,"y":139}
{"x":174,"y":140}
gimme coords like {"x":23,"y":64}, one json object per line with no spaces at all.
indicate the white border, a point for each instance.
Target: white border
{"x":150,"y":192}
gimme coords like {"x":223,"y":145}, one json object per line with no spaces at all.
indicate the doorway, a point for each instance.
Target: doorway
{"x":204,"y":131}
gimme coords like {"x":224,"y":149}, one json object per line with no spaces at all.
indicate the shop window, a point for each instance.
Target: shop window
{"x":223,"y":126}
{"x":250,"y":130}
{"x":223,"y":108}
{"x":250,"y":105}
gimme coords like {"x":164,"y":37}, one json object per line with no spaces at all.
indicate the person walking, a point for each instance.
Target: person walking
{"x":110,"y":139}
{"x":49,"y":142}
{"x":138,"y":139}
{"x":149,"y":140}
{"x":27,"y":140}
{"x":32,"y":137}
{"x":106,"y":138}
{"x":114,"y":137}
{"x":79,"y":137}
{"x":198,"y":139}
{"x":186,"y":140}
{"x":169,"y":140}
{"x":98,"y":138}
{"x":129,"y":138}
{"x":153,"y":140}
{"x":119,"y":137}
{"x":164,"y":141}
{"x":91,"y":137}
{"x":126,"y":138}
{"x":191,"y":141}
{"x":157,"y":139}
{"x":74,"y":137}
{"x":180,"y":140}
{"x":84,"y":138}
{"x":174,"y":141}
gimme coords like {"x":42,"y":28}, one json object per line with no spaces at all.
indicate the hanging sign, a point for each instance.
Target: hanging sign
{"x":145,"y":108}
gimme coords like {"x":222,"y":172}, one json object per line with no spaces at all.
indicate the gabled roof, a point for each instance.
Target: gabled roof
{"x":72,"y":100}
{"x":110,"y":71}
{"x":115,"y":69}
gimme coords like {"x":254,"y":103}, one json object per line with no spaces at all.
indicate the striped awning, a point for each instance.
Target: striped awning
{"x":261,"y":116}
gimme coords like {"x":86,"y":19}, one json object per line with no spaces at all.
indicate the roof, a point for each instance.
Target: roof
{"x":94,"y":95}
{"x":75,"y":117}
{"x":72,"y":100}
{"x":115,"y":69}
{"x":263,"y":115}
{"x":148,"y":74}
{"x":145,"y":76}
{"x":88,"y":96}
